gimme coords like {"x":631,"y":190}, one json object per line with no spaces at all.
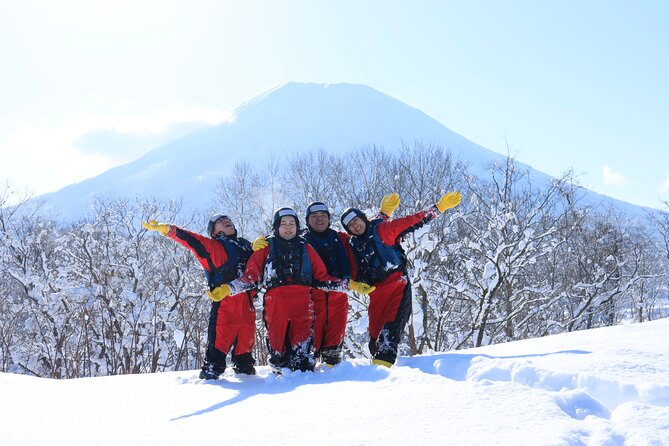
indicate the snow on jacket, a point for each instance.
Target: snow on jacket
{"x":377,"y":251}
{"x":263,"y":273}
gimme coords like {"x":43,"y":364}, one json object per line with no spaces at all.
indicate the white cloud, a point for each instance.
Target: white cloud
{"x":45,"y":159}
{"x":153,"y":123}
{"x":613,"y":178}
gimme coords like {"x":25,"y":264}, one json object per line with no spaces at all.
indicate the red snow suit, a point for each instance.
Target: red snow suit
{"x":331,"y":315}
{"x":288,"y":305}
{"x":331,"y":307}
{"x":232,"y":320}
{"x":381,"y":262}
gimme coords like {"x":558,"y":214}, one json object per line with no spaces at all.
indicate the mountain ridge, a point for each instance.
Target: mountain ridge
{"x":288,"y":118}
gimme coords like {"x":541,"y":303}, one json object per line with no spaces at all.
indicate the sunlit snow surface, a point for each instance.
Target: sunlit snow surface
{"x":600,"y":387}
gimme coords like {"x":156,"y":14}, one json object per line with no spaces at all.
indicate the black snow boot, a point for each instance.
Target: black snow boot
{"x":244,"y":370}
{"x":211,"y":371}
{"x":244,"y":364}
{"x":331,"y":355}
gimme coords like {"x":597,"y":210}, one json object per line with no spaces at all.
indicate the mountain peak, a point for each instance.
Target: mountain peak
{"x":311,"y":101}
{"x":284,"y":119}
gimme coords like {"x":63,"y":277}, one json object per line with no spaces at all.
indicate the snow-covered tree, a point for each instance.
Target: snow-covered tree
{"x":514,"y":260}
{"x":510,"y":225}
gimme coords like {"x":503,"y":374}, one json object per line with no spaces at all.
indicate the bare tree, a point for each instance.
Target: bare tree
{"x":239,"y":196}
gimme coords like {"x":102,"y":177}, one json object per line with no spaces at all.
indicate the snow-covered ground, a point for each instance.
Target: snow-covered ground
{"x":607,"y":386}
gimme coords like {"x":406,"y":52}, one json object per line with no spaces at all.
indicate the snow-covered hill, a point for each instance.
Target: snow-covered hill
{"x":599,"y":387}
{"x":289,"y":118}
{"x":294,"y":117}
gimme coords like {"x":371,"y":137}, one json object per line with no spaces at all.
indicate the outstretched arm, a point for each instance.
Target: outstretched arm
{"x":392,"y":231}
{"x":326,"y":282}
{"x":253,"y":273}
{"x":205,"y":249}
{"x":202,"y":247}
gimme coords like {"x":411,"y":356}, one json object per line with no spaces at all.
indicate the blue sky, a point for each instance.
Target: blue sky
{"x":563,"y":84}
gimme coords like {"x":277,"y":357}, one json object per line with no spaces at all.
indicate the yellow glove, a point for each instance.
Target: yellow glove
{"x":450,"y":200}
{"x":219,"y":293}
{"x":153,"y":225}
{"x":360,"y":287}
{"x":259,"y":243}
{"x":389,"y":203}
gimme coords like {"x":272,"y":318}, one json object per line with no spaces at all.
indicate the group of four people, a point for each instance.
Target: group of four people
{"x":305,"y":276}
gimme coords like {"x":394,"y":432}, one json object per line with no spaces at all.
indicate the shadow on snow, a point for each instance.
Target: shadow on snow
{"x":251,"y":386}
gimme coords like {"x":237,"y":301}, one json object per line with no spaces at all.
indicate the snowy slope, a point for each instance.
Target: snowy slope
{"x":599,"y":387}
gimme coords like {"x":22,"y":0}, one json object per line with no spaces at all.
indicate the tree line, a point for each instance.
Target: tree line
{"x":517,"y":259}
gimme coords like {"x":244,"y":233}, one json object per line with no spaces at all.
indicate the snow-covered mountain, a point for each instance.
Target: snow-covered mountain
{"x":598,"y":387}
{"x":292,"y":117}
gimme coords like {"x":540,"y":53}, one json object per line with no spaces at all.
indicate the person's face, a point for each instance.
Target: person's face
{"x":225,"y":226}
{"x":319,"y":221}
{"x":357,"y":226}
{"x":287,"y":228}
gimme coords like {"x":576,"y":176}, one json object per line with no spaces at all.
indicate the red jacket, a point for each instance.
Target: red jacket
{"x":202,"y":247}
{"x":221,"y":266}
{"x":391,"y":231}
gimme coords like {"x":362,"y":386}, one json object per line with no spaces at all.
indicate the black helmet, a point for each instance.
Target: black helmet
{"x":349,"y":214}
{"x":283,"y":212}
{"x":316,"y":206}
{"x":212,"y":222}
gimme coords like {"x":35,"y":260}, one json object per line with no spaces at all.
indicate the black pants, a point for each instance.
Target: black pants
{"x":385,"y":346}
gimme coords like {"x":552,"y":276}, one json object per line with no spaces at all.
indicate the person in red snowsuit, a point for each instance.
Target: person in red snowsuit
{"x":287,"y":269}
{"x":381,"y":262}
{"x":330,"y":307}
{"x":232,"y":321}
